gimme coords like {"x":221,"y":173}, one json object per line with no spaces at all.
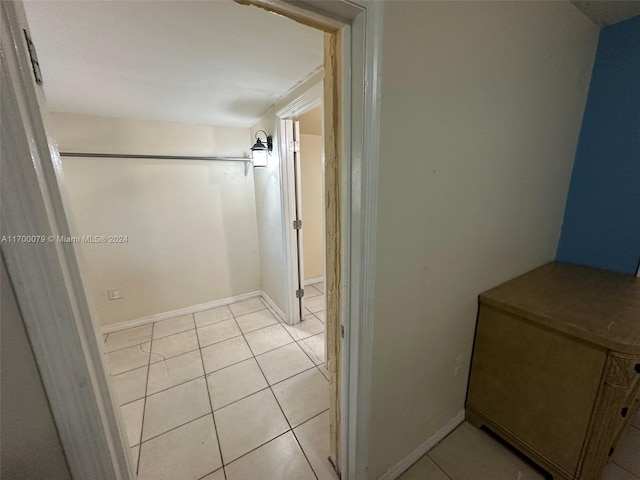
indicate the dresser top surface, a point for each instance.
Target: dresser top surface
{"x":598,"y":306}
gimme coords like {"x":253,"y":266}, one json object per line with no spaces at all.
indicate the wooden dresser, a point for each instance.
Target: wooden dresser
{"x":556,"y":366}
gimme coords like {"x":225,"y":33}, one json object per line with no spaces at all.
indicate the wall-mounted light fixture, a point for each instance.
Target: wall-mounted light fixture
{"x":261,"y":150}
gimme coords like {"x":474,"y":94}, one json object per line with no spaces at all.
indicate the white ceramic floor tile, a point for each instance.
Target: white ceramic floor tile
{"x":320,"y":316}
{"x":469,"y":453}
{"x":132,"y":419}
{"x":235,"y":382}
{"x":268,"y":338}
{"x":187,"y":453}
{"x":315,"y":304}
{"x":128,"y":338}
{"x":313,"y":436}
{"x":280,"y":459}
{"x":319,"y":286}
{"x":283,"y":363}
{"x":627,"y":454}
{"x":217,"y":475}
{"x":424,"y":469}
{"x":173,"y":345}
{"x":254,"y":321}
{"x":614,"y":472}
{"x":214,"y":315}
{"x":172,"y":326}
{"x":247,"y":306}
{"x":223,"y":354}
{"x":248,"y":423}
{"x":128,"y":358}
{"x":135,"y":454}
{"x":311,"y":291}
{"x":303,"y":396}
{"x":314,"y":347}
{"x":306,"y":328}
{"x":218,"y":332}
{"x":174,"y":407}
{"x":174,"y":371}
{"x":130,"y":386}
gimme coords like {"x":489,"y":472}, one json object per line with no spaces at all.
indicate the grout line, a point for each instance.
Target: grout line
{"x":137,"y":344}
{"x":304,"y":453}
{"x":434,"y":462}
{"x":211,"y":473}
{"x":623,"y":468}
{"x":144,"y":405}
{"x":259,"y":446}
{"x":255,"y":311}
{"x":172,"y":429}
{"x":213,"y":417}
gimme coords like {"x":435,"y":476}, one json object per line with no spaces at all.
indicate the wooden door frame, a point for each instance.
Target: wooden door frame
{"x":51,"y":292}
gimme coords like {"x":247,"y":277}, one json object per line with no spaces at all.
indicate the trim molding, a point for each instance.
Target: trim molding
{"x":408,"y":461}
{"x":307,"y":100}
{"x":156,"y":317}
{"x":311,"y":281}
{"x":273,"y":308}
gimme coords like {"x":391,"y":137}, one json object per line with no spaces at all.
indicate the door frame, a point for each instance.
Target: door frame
{"x":307,"y":100}
{"x":59,"y":316}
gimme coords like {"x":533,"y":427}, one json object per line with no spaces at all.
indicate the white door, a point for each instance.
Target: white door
{"x":293,"y":205}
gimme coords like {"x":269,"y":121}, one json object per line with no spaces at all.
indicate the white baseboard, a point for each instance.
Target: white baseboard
{"x":181,"y":311}
{"x":311,"y":281}
{"x":271,"y":305}
{"x":406,"y":463}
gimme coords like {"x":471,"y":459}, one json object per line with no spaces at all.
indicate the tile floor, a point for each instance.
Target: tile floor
{"x":225,"y":394}
{"x":471,"y":454}
{"x":232,"y":394}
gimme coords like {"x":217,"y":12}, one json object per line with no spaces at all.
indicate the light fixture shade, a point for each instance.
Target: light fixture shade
{"x":260,"y":157}
{"x":260,"y":151}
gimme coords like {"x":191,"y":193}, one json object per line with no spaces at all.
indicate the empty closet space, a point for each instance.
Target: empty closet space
{"x":160,"y":111}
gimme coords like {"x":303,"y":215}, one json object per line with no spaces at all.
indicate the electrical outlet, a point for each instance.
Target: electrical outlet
{"x":115,"y":293}
{"x":457,"y":365}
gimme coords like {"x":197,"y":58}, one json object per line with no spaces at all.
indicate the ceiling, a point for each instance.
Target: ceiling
{"x":206,"y":62}
{"x":608,"y":12}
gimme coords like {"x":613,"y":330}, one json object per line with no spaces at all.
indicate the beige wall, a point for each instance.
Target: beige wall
{"x":480,"y":122}
{"x":29,"y":443}
{"x":311,"y":149}
{"x":311,"y":122}
{"x":191,"y":225}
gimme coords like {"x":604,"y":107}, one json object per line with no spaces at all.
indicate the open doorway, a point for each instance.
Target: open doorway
{"x":208,"y":370}
{"x":58,"y":310}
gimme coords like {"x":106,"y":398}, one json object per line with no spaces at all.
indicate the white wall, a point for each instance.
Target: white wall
{"x":481,"y":110}
{"x":29,"y":443}
{"x":191,"y":225}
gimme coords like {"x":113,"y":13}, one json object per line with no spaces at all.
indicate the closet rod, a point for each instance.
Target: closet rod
{"x":246,"y":160}
{"x":157,"y":157}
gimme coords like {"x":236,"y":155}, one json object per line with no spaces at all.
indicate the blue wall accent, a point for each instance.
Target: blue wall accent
{"x":602,"y":217}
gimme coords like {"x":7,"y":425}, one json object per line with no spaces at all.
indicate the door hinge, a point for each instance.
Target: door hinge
{"x":300,"y":293}
{"x":294,"y":146}
{"x":342,"y":331}
{"x":297,"y":224}
{"x":35,"y":65}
